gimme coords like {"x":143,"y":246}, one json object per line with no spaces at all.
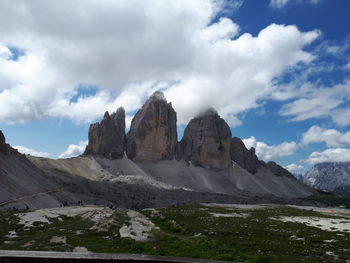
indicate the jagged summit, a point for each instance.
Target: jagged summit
{"x":3,"y":145}
{"x":206,"y":141}
{"x":107,"y":138}
{"x":245,"y":158}
{"x":153,"y":134}
{"x":157,"y":95}
{"x":208,"y":112}
{"x":329,"y":176}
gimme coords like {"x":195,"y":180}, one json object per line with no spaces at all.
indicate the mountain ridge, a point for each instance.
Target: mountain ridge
{"x":329,"y":176}
{"x":148,"y":167}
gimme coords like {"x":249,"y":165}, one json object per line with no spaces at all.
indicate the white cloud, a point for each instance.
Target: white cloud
{"x":130,"y":48}
{"x":320,"y":103}
{"x":74,"y":150}
{"x":270,"y":152}
{"x":295,"y":168}
{"x":5,"y":53}
{"x":341,"y":116}
{"x":330,"y":155}
{"x":278,"y":3}
{"x":283,"y":3}
{"x":332,"y":137}
{"x":32,"y":152}
{"x":347,"y":66}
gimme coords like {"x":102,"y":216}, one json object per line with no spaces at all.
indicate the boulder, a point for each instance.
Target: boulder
{"x":245,"y":158}
{"x":107,"y":138}
{"x":153,"y":134}
{"x":206,"y":141}
{"x":3,"y":145}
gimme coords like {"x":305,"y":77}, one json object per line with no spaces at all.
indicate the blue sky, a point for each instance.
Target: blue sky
{"x":278,"y":71}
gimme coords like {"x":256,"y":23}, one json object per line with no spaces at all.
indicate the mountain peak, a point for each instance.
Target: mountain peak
{"x":208,"y":112}
{"x":206,"y":141}
{"x":157,"y":95}
{"x":107,"y":138}
{"x":153,"y":134}
{"x":3,"y":145}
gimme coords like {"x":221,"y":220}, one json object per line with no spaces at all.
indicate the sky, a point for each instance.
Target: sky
{"x":278,"y":71}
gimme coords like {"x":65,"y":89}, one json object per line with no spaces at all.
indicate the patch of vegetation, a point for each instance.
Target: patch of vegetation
{"x":193,"y":231}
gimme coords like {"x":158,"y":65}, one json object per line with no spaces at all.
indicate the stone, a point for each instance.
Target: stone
{"x":107,"y":138}
{"x":153,"y":134}
{"x":206,"y":141}
{"x":3,"y":145}
{"x":245,"y":158}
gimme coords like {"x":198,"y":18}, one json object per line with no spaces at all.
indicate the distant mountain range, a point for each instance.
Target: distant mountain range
{"x":148,"y":166}
{"x":329,"y":176}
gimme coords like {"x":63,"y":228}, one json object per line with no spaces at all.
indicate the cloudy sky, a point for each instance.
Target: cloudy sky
{"x":278,"y":71}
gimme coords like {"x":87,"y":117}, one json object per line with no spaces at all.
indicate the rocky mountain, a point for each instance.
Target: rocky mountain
{"x":107,"y":138}
{"x":206,"y":159}
{"x":206,"y":141}
{"x":148,"y":167}
{"x":28,"y":182}
{"x":153,"y":135}
{"x":3,"y":145}
{"x":245,"y":158}
{"x":329,"y":176}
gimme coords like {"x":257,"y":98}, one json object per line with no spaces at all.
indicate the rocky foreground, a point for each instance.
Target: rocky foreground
{"x":242,"y":233}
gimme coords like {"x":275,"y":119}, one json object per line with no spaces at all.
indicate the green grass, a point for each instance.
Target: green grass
{"x":191,"y":231}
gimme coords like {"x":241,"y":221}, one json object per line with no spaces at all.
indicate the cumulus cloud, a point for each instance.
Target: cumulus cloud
{"x":5,"y":52}
{"x":332,"y":137}
{"x":270,"y":152}
{"x":283,"y":3}
{"x":278,"y":3}
{"x":74,"y":150}
{"x":129,"y":49}
{"x":330,"y":155}
{"x":32,"y":152}
{"x":295,"y":168}
{"x":347,"y":66}
{"x":320,"y":103}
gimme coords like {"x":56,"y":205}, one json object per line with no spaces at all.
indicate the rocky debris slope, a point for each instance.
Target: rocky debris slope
{"x":329,"y":176}
{"x":107,"y":138}
{"x":206,"y":141}
{"x":24,"y":184}
{"x":153,"y":134}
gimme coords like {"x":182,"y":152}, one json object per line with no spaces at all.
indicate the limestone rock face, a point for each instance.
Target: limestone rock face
{"x":107,"y":138}
{"x":153,"y":134}
{"x":3,"y":145}
{"x":206,"y":141}
{"x":245,"y":158}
